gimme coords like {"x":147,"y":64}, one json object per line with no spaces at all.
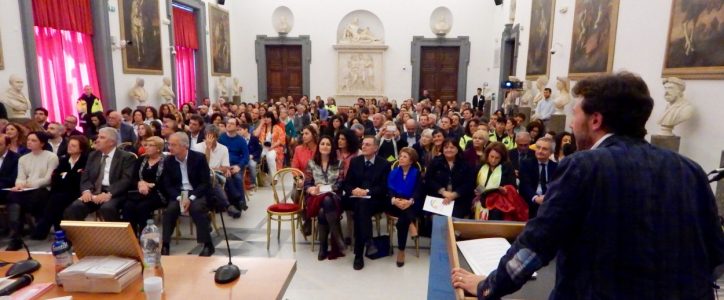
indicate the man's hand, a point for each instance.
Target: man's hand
{"x":313,"y":190}
{"x":359,"y":192}
{"x":466,"y":280}
{"x":143,"y":187}
{"x":539,"y":199}
{"x":18,"y":187}
{"x":102,"y":198}
{"x":185,"y":203}
{"x":86,"y":196}
{"x":235,"y":169}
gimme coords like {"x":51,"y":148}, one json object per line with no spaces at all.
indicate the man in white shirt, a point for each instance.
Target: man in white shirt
{"x":196,"y":132}
{"x":545,"y":107}
{"x":57,"y":143}
{"x":218,"y":157}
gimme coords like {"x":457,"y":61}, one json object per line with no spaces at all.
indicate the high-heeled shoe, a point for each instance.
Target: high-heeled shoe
{"x":400,"y":258}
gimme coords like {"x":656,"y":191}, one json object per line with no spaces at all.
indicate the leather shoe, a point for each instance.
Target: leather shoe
{"x":208,"y":250}
{"x":233,"y":212}
{"x":359,"y":262}
{"x":164,"y":249}
{"x":14,"y":245}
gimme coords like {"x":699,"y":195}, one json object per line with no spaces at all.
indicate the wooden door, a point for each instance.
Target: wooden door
{"x":439,"y":72}
{"x":283,"y":71}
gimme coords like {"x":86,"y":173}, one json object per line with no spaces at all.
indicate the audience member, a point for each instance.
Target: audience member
{"x":304,"y":152}
{"x":217,"y":156}
{"x":535,"y":175}
{"x":407,"y":195}
{"x":185,"y":184}
{"x":563,"y":139}
{"x":70,"y":124}
{"x":196,"y":129}
{"x":146,"y":175}
{"x":58,"y":144}
{"x":522,"y":150}
{"x":238,"y":159}
{"x":16,"y":133}
{"x":40,"y":116}
{"x":8,"y":167}
{"x":366,"y":185}
{"x":106,"y":180}
{"x":31,"y":190}
{"x":390,"y":143}
{"x":451,"y":178}
{"x":492,"y":177}
{"x":475,"y":155}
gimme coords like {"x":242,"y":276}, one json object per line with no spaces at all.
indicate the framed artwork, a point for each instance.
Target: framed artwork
{"x":2,"y":61}
{"x":594,"y":38}
{"x":220,"y":41}
{"x":141,"y":28}
{"x":539,"y":41}
{"x":695,"y":39}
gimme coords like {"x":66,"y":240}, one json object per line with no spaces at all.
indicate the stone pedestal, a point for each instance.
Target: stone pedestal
{"x":720,"y":189}
{"x":236,"y":99}
{"x":526,"y":110}
{"x":556,"y":123}
{"x":670,"y":142}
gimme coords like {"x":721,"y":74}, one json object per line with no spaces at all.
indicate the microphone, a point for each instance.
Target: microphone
{"x":24,"y":266}
{"x":19,"y":283}
{"x":229,"y":272}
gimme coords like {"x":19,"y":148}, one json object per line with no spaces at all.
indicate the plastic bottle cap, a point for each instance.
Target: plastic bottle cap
{"x":149,"y":221}
{"x":60,"y":235}
{"x":153,"y":284}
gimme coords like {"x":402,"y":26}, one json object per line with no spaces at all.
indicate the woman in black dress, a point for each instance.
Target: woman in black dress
{"x":140,"y":207}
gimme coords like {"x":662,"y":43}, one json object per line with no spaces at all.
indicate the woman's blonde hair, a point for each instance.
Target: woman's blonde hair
{"x":155,"y":141}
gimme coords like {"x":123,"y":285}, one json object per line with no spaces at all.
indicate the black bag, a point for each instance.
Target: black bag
{"x":382,"y":243}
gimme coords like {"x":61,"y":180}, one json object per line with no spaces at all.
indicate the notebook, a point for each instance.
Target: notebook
{"x":483,"y":255}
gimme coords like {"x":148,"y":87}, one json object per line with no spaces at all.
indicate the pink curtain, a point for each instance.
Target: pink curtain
{"x":65,"y":64}
{"x":185,"y":75}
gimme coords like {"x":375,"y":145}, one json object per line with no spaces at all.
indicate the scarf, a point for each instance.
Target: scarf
{"x":494,"y":181}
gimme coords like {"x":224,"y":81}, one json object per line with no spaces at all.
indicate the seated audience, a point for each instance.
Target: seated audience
{"x":98,"y":120}
{"x":535,"y":175}
{"x":104,"y":184}
{"x":65,"y":185}
{"x":406,"y":191}
{"x":470,"y":128}
{"x":69,"y":124}
{"x":536,"y":129}
{"x":424,"y":147}
{"x":495,"y":174}
{"x":323,"y":188}
{"x":271,"y":134}
{"x":451,"y":178}
{"x":522,"y":150}
{"x":185,"y":184}
{"x":8,"y":167}
{"x":217,"y":156}
{"x":146,"y":175}
{"x":366,"y":185}
{"x":564,"y":139}
{"x":475,"y":155}
{"x":196,"y":129}
{"x":58,"y":144}
{"x":304,"y":152}
{"x":17,"y":134}
{"x":31,"y":190}
{"x":238,"y":159}
{"x":499,"y":134}
{"x":390,"y":142}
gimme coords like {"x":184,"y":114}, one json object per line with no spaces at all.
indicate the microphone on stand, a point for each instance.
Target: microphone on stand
{"x":24,"y":266}
{"x":18,"y":284}
{"x":230,"y":272}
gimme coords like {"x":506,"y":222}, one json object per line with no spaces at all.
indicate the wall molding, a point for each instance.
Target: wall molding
{"x":260,"y":48}
{"x":464,"y":60}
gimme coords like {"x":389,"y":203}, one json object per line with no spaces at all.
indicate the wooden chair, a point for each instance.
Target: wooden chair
{"x":282,"y":210}
{"x":212,"y":217}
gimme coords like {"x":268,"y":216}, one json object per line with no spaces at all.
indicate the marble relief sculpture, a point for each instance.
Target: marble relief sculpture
{"x":15,"y":102}
{"x":527,"y":98}
{"x":679,"y":109}
{"x":236,"y":88}
{"x":360,"y":72}
{"x":221,"y":90}
{"x":564,"y":95}
{"x":138,"y":92}
{"x":354,"y":33}
{"x":166,"y":92}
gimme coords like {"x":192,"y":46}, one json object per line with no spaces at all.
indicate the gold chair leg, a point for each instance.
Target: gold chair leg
{"x":294,"y":236}
{"x":390,"y":231}
{"x":279,"y":228}
{"x":314,"y":232}
{"x":417,"y":240}
{"x":268,"y":230}
{"x":377,"y":224}
{"x":191,"y":226}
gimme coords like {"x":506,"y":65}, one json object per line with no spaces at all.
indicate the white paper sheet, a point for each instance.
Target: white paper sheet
{"x":435,"y":205}
{"x":325,"y":188}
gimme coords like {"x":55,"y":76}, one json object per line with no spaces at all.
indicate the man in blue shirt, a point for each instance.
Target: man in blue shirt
{"x":238,"y":158}
{"x":623,"y":218}
{"x":545,"y":107}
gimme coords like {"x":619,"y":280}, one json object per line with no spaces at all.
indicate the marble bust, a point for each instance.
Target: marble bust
{"x":442,"y":27}
{"x":237,"y":88}
{"x":16,"y":103}
{"x":540,"y":84}
{"x":564,"y":95}
{"x":527,"y":98}
{"x":138,"y":92}
{"x":221,"y":90}
{"x":166,"y":92}
{"x":284,"y":25}
{"x":679,"y":109}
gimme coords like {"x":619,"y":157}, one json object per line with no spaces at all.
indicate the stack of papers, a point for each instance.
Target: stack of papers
{"x":96,"y":274}
{"x":483,"y":255}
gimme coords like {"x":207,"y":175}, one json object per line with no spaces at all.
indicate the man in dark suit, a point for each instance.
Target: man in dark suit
{"x":8,"y":167}
{"x":196,"y":130}
{"x":535,"y":173}
{"x":57,"y":142}
{"x":411,"y":134}
{"x":69,"y":125}
{"x":185,"y":183}
{"x":366,"y":183}
{"x":40,"y":116}
{"x":104,"y":184}
{"x":479,"y":100}
{"x":626,"y":219}
{"x":126,"y":134}
{"x":521,"y":152}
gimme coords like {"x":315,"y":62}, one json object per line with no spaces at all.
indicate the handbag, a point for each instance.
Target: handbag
{"x":382,"y":243}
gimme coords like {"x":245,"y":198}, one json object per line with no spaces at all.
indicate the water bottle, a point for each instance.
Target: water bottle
{"x":151,"y":245}
{"x":61,"y":253}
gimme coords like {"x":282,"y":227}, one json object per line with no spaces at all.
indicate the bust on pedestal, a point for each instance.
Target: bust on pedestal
{"x":236,"y":91}
{"x":15,"y":102}
{"x":166,"y":92}
{"x":678,"y":111}
{"x":138,"y":92}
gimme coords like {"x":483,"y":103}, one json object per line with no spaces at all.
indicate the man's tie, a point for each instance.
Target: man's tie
{"x":542,"y":178}
{"x":99,"y":180}
{"x":368,"y":164}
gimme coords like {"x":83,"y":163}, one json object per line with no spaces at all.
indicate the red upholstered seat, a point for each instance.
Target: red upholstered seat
{"x":283,"y":207}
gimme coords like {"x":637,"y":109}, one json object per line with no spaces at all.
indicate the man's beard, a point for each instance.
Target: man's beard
{"x":584,"y":141}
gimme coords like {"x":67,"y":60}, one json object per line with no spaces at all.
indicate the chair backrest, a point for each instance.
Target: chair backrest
{"x":417,"y":163}
{"x":283,"y":192}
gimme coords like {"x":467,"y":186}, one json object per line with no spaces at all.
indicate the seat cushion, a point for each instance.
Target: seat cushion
{"x":283,"y":207}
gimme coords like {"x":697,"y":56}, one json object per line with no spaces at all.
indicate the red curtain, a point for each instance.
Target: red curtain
{"x":184,"y":28}
{"x":185,"y":75}
{"x":65,"y":65}
{"x":72,"y":15}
